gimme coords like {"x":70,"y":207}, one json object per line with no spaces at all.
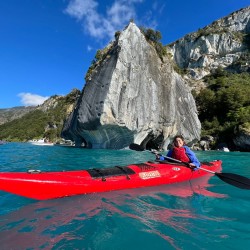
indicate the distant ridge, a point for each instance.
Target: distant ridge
{"x":10,"y":114}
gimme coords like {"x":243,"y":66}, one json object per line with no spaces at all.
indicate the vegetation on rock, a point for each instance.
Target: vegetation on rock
{"x":99,"y":57}
{"x":154,"y":36}
{"x":151,"y":36}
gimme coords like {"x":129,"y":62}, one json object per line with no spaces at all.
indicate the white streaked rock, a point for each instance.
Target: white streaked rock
{"x":133,"y":97}
{"x":218,"y":44}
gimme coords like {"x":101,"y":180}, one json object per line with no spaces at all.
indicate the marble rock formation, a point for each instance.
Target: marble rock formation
{"x":132,"y":96}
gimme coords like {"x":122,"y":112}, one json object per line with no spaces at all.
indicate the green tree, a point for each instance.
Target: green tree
{"x":154,"y":36}
{"x":206,"y":104}
{"x":224,"y":104}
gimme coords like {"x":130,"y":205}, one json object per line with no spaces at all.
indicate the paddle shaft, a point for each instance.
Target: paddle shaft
{"x":172,"y":159}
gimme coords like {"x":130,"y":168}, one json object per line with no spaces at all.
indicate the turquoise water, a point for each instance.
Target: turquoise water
{"x":202,"y":214}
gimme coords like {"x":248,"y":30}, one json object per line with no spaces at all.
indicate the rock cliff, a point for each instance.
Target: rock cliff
{"x":223,"y":43}
{"x":131,"y":95}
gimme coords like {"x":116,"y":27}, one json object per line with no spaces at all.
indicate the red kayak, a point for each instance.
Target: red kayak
{"x":50,"y":185}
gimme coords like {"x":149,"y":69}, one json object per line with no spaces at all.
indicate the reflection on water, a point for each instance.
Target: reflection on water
{"x":192,"y":215}
{"x":56,"y":223}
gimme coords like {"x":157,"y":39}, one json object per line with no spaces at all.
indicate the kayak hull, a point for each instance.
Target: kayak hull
{"x":50,"y":185}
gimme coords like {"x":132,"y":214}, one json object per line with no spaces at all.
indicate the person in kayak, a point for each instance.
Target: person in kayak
{"x":182,"y":152}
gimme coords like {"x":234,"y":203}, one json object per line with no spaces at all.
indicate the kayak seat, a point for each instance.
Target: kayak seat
{"x":109,"y":172}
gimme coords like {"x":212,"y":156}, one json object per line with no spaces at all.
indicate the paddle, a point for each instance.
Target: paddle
{"x":230,"y":178}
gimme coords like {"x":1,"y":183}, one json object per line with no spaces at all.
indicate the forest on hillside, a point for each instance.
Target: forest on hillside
{"x":224,"y":105}
{"x":45,"y":121}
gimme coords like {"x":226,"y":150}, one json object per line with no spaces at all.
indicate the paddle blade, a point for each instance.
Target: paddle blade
{"x":235,"y":180}
{"x":136,"y":147}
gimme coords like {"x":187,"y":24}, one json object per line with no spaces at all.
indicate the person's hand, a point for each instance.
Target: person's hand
{"x":193,"y":167}
{"x":157,"y":157}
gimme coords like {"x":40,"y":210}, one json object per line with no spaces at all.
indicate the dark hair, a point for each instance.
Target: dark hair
{"x":178,"y":136}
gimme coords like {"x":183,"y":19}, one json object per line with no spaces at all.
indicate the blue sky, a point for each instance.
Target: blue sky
{"x":46,"y":46}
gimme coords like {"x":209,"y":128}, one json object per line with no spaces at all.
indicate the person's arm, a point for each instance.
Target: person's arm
{"x":169,"y":154}
{"x":162,"y":158}
{"x":191,"y":155}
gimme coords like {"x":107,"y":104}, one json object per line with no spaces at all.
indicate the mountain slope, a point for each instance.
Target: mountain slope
{"x":7,"y":115}
{"x":45,"y":120}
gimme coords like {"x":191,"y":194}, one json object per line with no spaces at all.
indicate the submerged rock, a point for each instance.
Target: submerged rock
{"x":133,"y":96}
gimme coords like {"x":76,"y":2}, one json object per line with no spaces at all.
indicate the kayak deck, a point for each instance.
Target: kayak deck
{"x":49,"y":185}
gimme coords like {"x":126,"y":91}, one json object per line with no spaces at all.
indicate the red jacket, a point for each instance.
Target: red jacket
{"x":180,"y":154}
